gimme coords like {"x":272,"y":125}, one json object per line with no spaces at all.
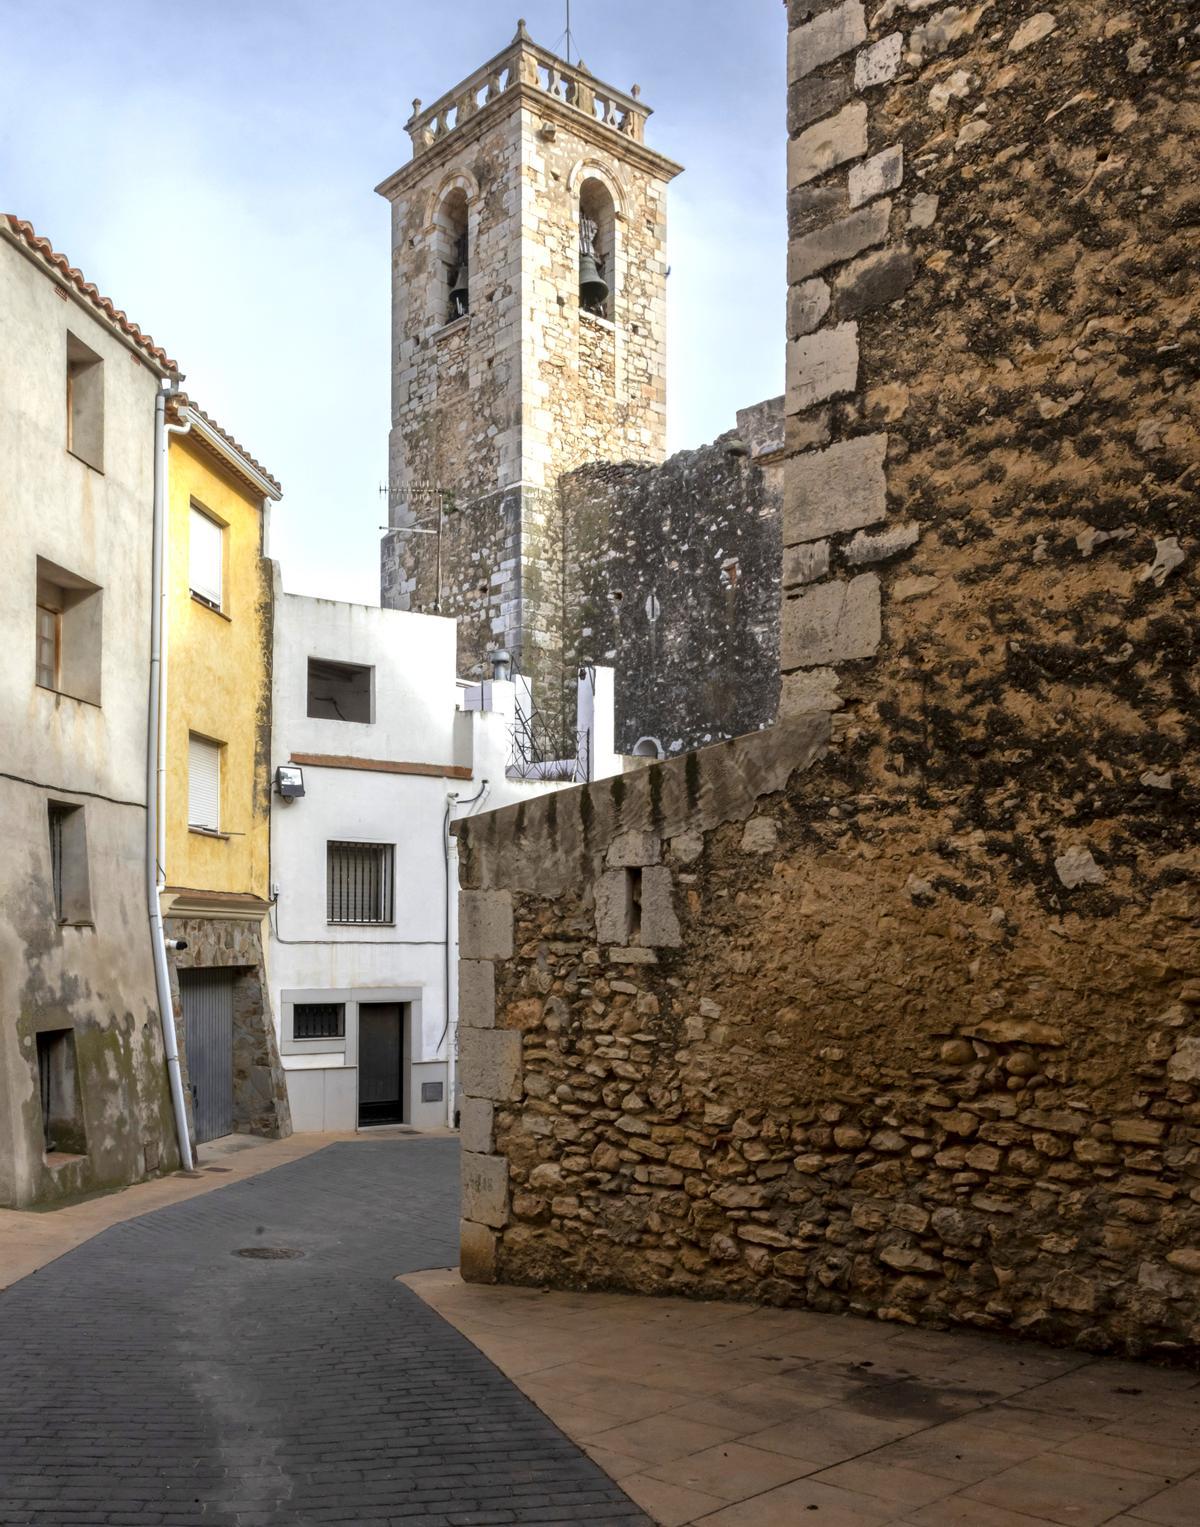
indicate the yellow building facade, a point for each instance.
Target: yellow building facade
{"x":215,"y":848}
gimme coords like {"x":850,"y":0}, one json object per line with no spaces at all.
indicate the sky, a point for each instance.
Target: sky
{"x":211,"y":168}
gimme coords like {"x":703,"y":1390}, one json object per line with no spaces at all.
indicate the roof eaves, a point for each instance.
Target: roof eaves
{"x":182,"y":410}
{"x":59,"y":268}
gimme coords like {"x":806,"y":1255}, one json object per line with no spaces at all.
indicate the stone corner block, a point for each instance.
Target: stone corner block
{"x":660,"y":925}
{"x":843,"y":487}
{"x":485,"y":1189}
{"x":614,"y":907}
{"x":477,"y":1125}
{"x":833,"y":623}
{"x":827,"y":144}
{"x":826,"y":37}
{"x":821,"y":366}
{"x":838,"y":241}
{"x":880,"y":62}
{"x":477,"y":994}
{"x":490,"y":1064}
{"x":476,"y":1253}
{"x":881,"y":173}
{"x":630,"y":850}
{"x":485,"y":925}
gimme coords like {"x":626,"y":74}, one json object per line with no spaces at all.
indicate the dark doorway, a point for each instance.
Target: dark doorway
{"x":207,"y":998}
{"x":381,"y":1062}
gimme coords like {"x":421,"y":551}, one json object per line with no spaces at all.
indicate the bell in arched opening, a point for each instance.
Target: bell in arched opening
{"x":593,"y":288}
{"x":460,"y":284}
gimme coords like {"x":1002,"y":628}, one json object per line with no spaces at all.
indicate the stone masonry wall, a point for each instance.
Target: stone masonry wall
{"x":721,"y":1039}
{"x":672,"y":578}
{"x":896,"y":1008}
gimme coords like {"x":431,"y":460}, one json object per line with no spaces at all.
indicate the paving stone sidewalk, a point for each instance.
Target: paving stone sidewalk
{"x":736,"y":1416}
{"x":153,"y":1378}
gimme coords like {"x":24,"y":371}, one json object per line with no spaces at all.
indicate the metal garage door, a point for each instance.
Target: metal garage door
{"x":207,"y":997}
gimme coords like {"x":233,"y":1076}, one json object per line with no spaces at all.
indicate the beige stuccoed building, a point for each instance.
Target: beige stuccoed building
{"x":529,"y":337}
{"x":84,"y":1101}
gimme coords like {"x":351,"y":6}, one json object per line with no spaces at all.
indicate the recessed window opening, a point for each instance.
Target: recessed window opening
{"x":69,"y":879}
{"x":597,"y":245}
{"x":49,"y":646}
{"x":340,"y":691}
{"x":453,"y":255}
{"x":635,"y":904}
{"x":67,"y":632}
{"x":206,"y":557}
{"x":204,"y":783}
{"x":319,"y":1020}
{"x":85,"y":403}
{"x":359,"y":882}
{"x":58,"y":1091}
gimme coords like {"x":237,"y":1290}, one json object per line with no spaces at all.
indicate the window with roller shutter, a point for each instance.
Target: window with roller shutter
{"x":206,"y":558}
{"x":204,"y":783}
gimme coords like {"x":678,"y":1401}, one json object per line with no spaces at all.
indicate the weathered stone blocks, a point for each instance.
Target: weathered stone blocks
{"x":821,"y":366}
{"x":485,"y":926}
{"x":477,"y":1125}
{"x":805,"y":563}
{"x":477,"y":994}
{"x":879,"y":63}
{"x":829,"y":143}
{"x":614,"y":907}
{"x":485,"y":1189}
{"x":873,"y":281}
{"x":807,"y":305}
{"x":838,"y":489}
{"x":833,"y":623}
{"x":629,"y":849}
{"x":839,"y":241}
{"x":476,"y":1252}
{"x":830,"y":36}
{"x":881,"y":173}
{"x":490,"y":1065}
{"x":660,"y":925}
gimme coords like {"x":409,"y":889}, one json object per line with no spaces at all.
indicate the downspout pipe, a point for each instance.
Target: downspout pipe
{"x":156,"y":777}
{"x":450,"y":1028}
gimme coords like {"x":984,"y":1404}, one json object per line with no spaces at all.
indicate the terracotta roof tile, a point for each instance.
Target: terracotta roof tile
{"x":42,"y":247}
{"x":181,"y":400}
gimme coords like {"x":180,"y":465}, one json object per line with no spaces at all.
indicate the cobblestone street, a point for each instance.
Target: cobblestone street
{"x":155,"y":1377}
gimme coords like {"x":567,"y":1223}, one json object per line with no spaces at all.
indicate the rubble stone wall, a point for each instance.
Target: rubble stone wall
{"x":672,"y":578}
{"x":902,"y":1016}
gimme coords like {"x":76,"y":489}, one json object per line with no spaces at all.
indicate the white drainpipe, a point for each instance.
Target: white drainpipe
{"x":450,"y":1031}
{"x":156,"y":771}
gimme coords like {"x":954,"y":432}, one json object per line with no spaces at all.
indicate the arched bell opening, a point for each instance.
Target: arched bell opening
{"x":597,"y":250}
{"x":451,"y":226}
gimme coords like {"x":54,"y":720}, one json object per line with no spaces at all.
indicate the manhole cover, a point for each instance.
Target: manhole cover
{"x":269,"y":1253}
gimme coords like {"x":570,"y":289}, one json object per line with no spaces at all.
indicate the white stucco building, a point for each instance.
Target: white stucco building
{"x":389,"y":747}
{"x":84,"y":1102}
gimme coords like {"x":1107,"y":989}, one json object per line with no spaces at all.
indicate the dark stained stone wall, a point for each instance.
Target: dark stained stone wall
{"x":672,"y":578}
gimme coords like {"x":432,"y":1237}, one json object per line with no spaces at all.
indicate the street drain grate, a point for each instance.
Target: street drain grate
{"x":269,"y":1253}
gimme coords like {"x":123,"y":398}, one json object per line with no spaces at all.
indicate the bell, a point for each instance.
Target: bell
{"x":460,"y":293}
{"x":593,"y":288}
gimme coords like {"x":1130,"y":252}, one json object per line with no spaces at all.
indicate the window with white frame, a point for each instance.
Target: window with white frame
{"x":359,"y":881}
{"x":206,"y":557}
{"x":204,"y":784}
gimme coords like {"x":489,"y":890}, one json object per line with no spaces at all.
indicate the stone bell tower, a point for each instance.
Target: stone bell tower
{"x":528,"y":337}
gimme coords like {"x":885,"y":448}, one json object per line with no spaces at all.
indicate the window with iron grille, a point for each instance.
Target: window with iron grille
{"x":319,"y":1020}
{"x":360,"y":882}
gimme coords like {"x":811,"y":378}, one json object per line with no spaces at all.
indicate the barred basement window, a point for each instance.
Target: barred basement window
{"x":319,"y":1020}
{"x":360,"y":882}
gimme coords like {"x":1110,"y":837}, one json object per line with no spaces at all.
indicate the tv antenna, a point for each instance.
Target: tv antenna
{"x":568,"y":34}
